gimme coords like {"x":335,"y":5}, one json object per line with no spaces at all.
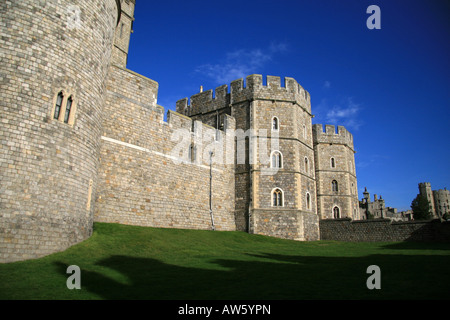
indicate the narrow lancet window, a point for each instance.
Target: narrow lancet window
{"x":308,"y":201}
{"x":275,"y":124}
{"x":277,"y":195}
{"x":192,"y":153}
{"x":68,"y":108}
{"x":121,"y":30}
{"x":59,"y":101}
{"x":336,"y":213}
{"x":334,"y":185}
{"x":277,"y":160}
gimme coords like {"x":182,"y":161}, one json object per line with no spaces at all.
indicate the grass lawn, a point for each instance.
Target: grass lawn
{"x":128,"y":262}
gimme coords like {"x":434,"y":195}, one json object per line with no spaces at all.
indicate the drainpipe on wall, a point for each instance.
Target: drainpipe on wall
{"x":210,"y":191}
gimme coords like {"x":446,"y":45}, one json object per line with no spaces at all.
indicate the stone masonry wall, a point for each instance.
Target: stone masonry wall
{"x":285,"y":224}
{"x":141,"y":180}
{"x":48,"y":168}
{"x":384,"y":230}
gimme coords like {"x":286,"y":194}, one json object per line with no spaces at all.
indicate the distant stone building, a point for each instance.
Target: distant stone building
{"x":377,"y":209}
{"x":406,"y":215}
{"x":438,"y":199}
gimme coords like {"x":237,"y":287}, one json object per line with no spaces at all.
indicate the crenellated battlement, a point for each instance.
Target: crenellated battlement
{"x":342,"y":136}
{"x":204,"y":102}
{"x":425,"y":184}
{"x":252,"y":89}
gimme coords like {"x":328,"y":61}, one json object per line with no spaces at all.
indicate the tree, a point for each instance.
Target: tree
{"x":421,"y":208}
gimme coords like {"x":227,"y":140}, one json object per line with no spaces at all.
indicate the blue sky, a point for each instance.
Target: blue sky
{"x":389,"y":87}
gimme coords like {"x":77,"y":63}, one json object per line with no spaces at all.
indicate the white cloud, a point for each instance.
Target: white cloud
{"x":241,"y":63}
{"x":345,"y":113}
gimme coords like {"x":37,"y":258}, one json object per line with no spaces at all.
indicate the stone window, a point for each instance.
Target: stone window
{"x":333,"y":163}
{"x":336,"y":212}
{"x":304,"y":131}
{"x":64,"y":107}
{"x":275,"y":124}
{"x":59,"y":100}
{"x":192,"y":153}
{"x":277,"y":159}
{"x":68,"y":108}
{"x":277,"y":197}
{"x":308,"y":201}
{"x":334,"y":185}
{"x":306,"y":165}
{"x":121,"y":29}
{"x":217,"y":136}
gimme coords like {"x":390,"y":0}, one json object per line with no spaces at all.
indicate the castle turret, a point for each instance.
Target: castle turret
{"x":337,"y":195}
{"x":55,"y":57}
{"x":275,"y":181}
{"x":123,"y":33}
{"x":442,"y":202}
{"x":425,"y":191}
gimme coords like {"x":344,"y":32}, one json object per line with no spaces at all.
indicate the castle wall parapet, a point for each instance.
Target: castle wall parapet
{"x":330,"y":136}
{"x":252,"y":89}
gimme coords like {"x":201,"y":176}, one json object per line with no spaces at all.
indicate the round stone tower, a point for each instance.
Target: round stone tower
{"x":54,"y":57}
{"x":337,"y":190}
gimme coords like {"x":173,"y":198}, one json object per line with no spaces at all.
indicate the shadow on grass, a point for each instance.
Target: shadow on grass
{"x":269,"y":276}
{"x":418,"y":245}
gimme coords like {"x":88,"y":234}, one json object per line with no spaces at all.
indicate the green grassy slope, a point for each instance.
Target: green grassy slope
{"x":128,"y":262}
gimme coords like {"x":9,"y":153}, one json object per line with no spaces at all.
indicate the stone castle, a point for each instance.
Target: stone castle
{"x":439,"y":200}
{"x":377,"y":209}
{"x":83,"y":140}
